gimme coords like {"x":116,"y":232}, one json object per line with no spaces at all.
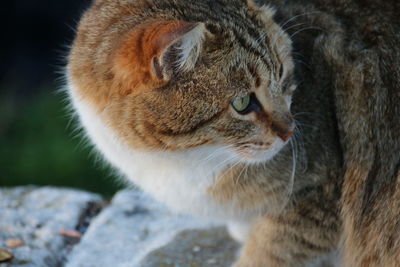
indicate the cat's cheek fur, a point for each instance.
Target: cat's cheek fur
{"x":181,"y":180}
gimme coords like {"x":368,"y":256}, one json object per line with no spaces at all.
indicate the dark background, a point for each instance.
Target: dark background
{"x":38,"y":141}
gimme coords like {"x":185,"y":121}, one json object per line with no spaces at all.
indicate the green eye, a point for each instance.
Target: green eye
{"x":240,"y":104}
{"x":246,"y":104}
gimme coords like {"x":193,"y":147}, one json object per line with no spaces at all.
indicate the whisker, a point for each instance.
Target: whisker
{"x":261,"y":38}
{"x":293,"y":26}
{"x":216,"y":152}
{"x":303,"y":14}
{"x":298,"y":54}
{"x":245,"y":166}
{"x":301,"y":152}
{"x":310,"y":114}
{"x":301,"y":62}
{"x":291,"y":179}
{"x":221,"y":164}
{"x":284,"y":32}
{"x":301,"y":124}
{"x":304,"y":29}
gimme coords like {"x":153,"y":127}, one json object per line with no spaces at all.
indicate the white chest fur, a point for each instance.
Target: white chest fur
{"x":180,"y":180}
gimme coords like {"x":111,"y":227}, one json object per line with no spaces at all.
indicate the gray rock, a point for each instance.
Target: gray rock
{"x":211,"y":247}
{"x":135,"y":230}
{"x":35,"y":216}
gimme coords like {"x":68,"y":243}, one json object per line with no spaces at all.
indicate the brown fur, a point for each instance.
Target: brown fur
{"x":363,"y":55}
{"x":347,"y":105}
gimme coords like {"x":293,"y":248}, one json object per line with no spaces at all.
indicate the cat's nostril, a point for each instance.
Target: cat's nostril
{"x":285,"y":136}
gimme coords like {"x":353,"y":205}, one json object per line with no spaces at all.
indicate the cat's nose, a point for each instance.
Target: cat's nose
{"x":284,"y":128}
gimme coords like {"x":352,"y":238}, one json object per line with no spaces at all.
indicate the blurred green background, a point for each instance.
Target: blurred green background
{"x":38,"y":141}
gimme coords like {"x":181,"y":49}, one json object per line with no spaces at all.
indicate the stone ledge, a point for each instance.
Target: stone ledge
{"x":133,"y":230}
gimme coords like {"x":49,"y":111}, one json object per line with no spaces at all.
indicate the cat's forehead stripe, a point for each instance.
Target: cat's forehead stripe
{"x":252,"y":68}
{"x":240,"y":24}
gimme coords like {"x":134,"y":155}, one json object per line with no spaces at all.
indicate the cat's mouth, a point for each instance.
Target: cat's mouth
{"x":257,"y":151}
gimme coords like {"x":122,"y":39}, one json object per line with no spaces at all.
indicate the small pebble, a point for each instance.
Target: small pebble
{"x":5,"y":255}
{"x":212,"y":261}
{"x":14,"y":243}
{"x":196,"y":249}
{"x":70,"y":233}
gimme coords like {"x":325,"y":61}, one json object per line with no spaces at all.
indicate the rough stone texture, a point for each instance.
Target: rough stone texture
{"x":211,"y":247}
{"x":134,"y":230}
{"x":35,"y":216}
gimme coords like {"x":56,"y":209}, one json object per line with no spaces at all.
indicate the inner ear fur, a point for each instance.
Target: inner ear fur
{"x":154,"y":51}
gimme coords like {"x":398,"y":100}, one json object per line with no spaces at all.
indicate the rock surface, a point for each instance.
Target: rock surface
{"x":211,"y":247}
{"x":34,"y":216}
{"x":133,"y":230}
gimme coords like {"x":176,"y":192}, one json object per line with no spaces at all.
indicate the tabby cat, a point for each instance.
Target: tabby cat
{"x":280,"y":119}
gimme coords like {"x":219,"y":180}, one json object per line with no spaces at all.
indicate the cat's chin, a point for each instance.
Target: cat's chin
{"x":257,"y":156}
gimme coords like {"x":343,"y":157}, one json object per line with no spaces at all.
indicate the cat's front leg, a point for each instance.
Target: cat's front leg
{"x":265,"y":246}
{"x":295,"y":238}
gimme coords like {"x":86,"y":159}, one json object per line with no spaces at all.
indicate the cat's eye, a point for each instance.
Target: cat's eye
{"x":241,"y":103}
{"x":246,"y":104}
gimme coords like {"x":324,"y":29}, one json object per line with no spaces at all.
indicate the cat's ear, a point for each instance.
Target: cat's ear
{"x":182,"y":44}
{"x":158,"y":50}
{"x":265,"y":12}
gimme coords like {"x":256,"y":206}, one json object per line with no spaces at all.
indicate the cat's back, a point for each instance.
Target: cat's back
{"x":365,"y":59}
{"x":355,"y":45}
{"x":368,"y":97}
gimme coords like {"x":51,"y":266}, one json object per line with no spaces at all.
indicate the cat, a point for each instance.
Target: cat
{"x":280,"y":118}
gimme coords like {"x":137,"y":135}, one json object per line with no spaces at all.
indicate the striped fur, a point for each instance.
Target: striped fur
{"x":152,"y":81}
{"x":356,"y":49}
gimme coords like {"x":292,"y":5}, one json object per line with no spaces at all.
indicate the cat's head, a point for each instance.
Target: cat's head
{"x":188,"y":75}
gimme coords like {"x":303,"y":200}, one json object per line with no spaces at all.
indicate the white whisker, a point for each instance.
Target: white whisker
{"x":303,"y":14}
{"x":216,"y":153}
{"x":219,"y":165}
{"x":304,"y":29}
{"x":245,"y":166}
{"x":291,"y":179}
{"x":301,"y":152}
